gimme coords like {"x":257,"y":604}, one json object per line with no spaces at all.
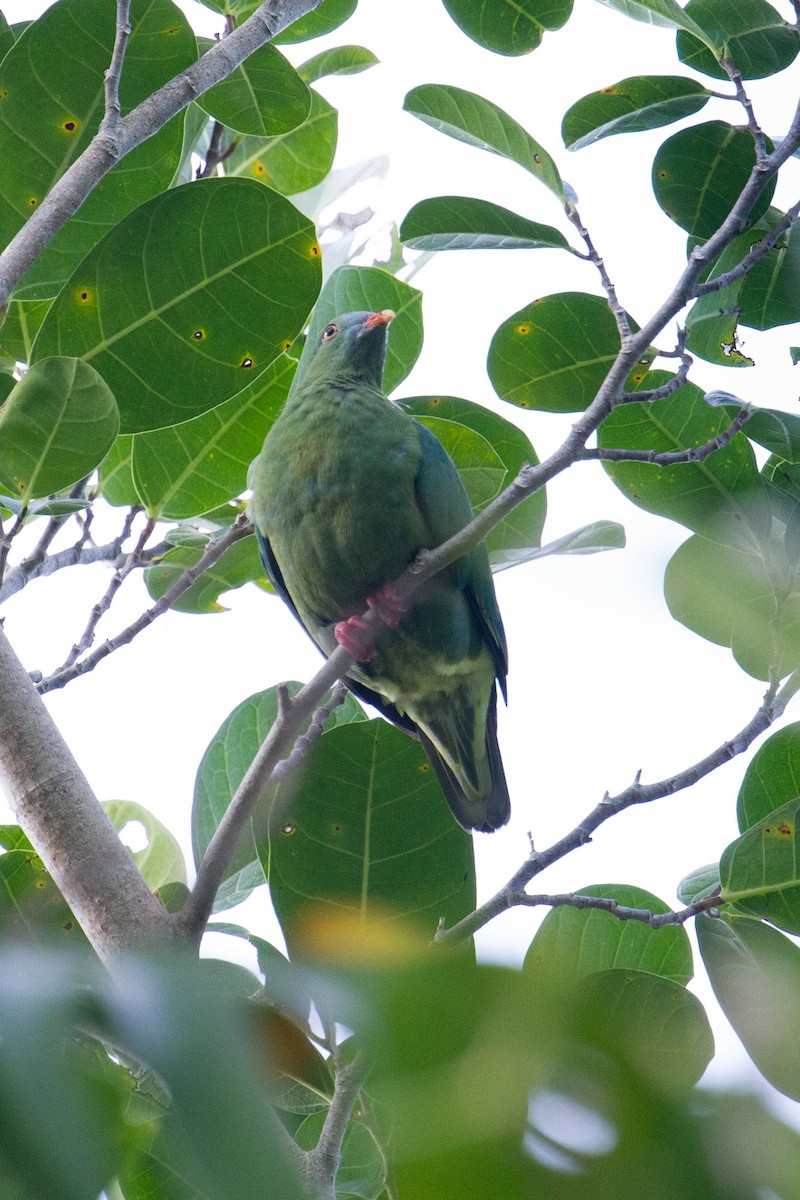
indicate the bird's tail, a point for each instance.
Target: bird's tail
{"x":477,"y":792}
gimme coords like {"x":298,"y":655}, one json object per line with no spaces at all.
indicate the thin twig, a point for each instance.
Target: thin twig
{"x":672,"y":458}
{"x":313,"y":734}
{"x":772,"y":707}
{"x":7,"y":539}
{"x":113,"y":112}
{"x":323,"y":1161}
{"x":621,"y":911}
{"x":747,"y":104}
{"x":620,"y":316}
{"x":132,"y":561}
{"x":756,"y":252}
{"x":215,"y":549}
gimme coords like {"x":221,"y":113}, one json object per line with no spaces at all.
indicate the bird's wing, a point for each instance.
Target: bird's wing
{"x":446,"y":509}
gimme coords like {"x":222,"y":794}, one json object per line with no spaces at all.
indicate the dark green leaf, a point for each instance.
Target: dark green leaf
{"x":199,"y":291}
{"x":6,"y":37}
{"x":555,"y":353}
{"x":295,"y":161}
{"x":341,"y":60}
{"x":328,"y":16}
{"x":222,"y":769}
{"x":51,"y":83}
{"x":717,"y":496}
{"x":116,"y":480}
{"x":699,"y":173}
{"x":508,"y":26}
{"x":55,"y":427}
{"x":463,"y":223}
{"x":667,"y":13}
{"x":759,"y":871}
{"x":572,"y":943}
{"x":633,"y":105}
{"x":160,"y":861}
{"x":713,"y":320}
{"x":754,"y":35}
{"x":20,"y":327}
{"x":12,"y":838}
{"x":772,"y":777}
{"x":363,"y":825}
{"x":771,"y":292}
{"x":489,"y":452}
{"x":191,"y":468}
{"x":238,"y":565}
{"x":264,"y":97}
{"x":351,"y":289}
{"x":478,"y":122}
{"x":755,"y":973}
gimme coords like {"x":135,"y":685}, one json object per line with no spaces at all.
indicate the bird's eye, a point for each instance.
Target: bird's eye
{"x":330,"y":331}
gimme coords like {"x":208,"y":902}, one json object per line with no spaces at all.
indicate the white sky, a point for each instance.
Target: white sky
{"x":602,"y":681}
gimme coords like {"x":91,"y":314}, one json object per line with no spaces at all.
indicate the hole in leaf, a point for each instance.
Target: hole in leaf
{"x":287,"y":828}
{"x":134,"y":835}
{"x":246,"y":363}
{"x":198,"y":335}
{"x":70,"y":126}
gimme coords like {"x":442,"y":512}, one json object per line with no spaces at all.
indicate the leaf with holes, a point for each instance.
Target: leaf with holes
{"x":191,"y":468}
{"x":222,"y":769}
{"x":160,"y":861}
{"x":755,"y":36}
{"x":363,"y":826}
{"x":55,"y":427}
{"x":464,"y":223}
{"x":51,"y":86}
{"x":508,"y":26}
{"x":633,"y":105}
{"x":573,"y":943}
{"x":476,"y":121}
{"x":263,"y":97}
{"x":352,"y":289}
{"x":554,"y":354}
{"x":759,"y":871}
{"x":488,"y":452}
{"x":188,"y":299}
{"x":31,"y":906}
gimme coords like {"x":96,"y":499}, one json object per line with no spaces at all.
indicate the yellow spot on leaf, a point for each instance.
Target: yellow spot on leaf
{"x":84,"y":296}
{"x":259,"y":168}
{"x":198,"y":335}
{"x":69,"y":126}
{"x":523,"y":329}
{"x":246,"y":363}
{"x":33,"y":201}
{"x":315,"y":250}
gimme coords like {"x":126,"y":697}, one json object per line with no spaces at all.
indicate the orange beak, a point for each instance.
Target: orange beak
{"x":379,"y":318}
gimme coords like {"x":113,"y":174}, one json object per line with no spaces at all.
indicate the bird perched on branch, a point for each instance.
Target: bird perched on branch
{"x":347,"y":490}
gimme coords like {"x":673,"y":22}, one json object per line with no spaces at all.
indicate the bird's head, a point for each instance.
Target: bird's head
{"x":353,"y":346}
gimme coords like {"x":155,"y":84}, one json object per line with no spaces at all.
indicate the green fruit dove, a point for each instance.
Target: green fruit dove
{"x":347,"y":489}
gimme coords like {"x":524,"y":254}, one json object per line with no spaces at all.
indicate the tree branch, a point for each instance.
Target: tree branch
{"x":772,"y":707}
{"x":621,"y":911}
{"x":620,"y":316}
{"x":215,"y":549}
{"x":322,"y":1162}
{"x":113,"y":112}
{"x":106,"y":149}
{"x":755,"y":253}
{"x":62,"y":817}
{"x":671,"y":458}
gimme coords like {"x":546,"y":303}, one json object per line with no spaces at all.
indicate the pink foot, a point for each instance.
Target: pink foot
{"x":351,"y":635}
{"x":388,"y":605}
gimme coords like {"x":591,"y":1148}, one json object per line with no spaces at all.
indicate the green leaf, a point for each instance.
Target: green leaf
{"x":699,"y":883}
{"x":554,"y":354}
{"x":728,"y":597}
{"x":238,"y":565}
{"x":716,"y":496}
{"x":509,"y":26}
{"x":363,"y":826}
{"x":19,"y":328}
{"x":633,"y":105}
{"x":755,"y":973}
{"x":589,"y":539}
{"x":470,"y":118}
{"x":658,"y":1027}
{"x":505,"y":450}
{"x":770,"y":295}
{"x":12,"y":838}
{"x":329,"y":15}
{"x":31,"y":906}
{"x":55,"y":427}
{"x":223,"y":768}
{"x":295,"y":161}
{"x":352,"y":289}
{"x":161,"y":860}
{"x":191,"y":468}
{"x":464,"y":223}
{"x":45,"y":125}
{"x":772,"y":777}
{"x":666,"y":13}
{"x":188,"y":299}
{"x":713,"y":320}
{"x":265,"y":96}
{"x":340,"y":60}
{"x":699,"y":173}
{"x":572,"y":943}
{"x":116,"y":480}
{"x":58,"y":506}
{"x":6,"y":37}
{"x":759,"y":871}
{"x":361,"y":1170}
{"x":755,"y":38}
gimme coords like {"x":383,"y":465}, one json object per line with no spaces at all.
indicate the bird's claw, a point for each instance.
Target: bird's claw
{"x":351,"y":635}
{"x":388,"y":605}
